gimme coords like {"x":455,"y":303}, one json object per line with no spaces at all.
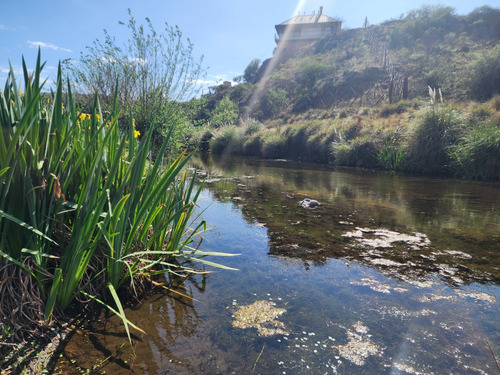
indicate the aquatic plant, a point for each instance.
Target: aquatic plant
{"x":84,"y":210}
{"x":261,"y":315}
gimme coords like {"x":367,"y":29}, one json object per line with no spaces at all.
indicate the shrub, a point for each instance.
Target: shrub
{"x":361,"y":154}
{"x":253,"y":146}
{"x":390,"y":157}
{"x":395,"y":108}
{"x":274,"y":102}
{"x":226,"y":140}
{"x":428,"y":141}
{"x":251,"y":126}
{"x":485,"y":80}
{"x":225,"y":113}
{"x":496,"y":102}
{"x":477,"y":156}
{"x":272,"y":147}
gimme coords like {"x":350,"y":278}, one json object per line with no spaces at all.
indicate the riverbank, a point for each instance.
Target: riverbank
{"x":445,"y":139}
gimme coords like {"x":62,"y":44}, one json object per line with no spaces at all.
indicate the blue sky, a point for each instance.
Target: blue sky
{"x":228,"y":33}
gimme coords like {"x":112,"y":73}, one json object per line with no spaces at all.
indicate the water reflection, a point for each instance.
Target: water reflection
{"x":390,"y":275}
{"x":460,"y":219}
{"x":169,"y":317}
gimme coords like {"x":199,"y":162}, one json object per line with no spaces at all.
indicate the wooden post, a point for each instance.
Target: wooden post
{"x":391,"y":88}
{"x":405,"y":88}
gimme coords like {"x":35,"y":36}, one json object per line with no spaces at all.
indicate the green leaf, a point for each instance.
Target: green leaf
{"x":51,"y":300}
{"x":27,"y":226}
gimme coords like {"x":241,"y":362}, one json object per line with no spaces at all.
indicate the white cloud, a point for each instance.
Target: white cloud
{"x":2,"y":27}
{"x":47,"y":45}
{"x":6,"y":70}
{"x":204,"y":82}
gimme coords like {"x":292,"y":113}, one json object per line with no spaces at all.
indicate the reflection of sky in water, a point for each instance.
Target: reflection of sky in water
{"x":349,"y":314}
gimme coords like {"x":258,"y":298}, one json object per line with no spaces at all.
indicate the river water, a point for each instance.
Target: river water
{"x":387,"y":275}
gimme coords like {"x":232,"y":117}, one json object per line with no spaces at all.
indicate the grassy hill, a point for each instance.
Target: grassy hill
{"x":370,"y":97}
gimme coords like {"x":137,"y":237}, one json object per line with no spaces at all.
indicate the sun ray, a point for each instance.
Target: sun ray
{"x":259,"y":92}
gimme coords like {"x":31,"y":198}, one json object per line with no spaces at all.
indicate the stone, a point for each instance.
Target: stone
{"x":309,"y":203}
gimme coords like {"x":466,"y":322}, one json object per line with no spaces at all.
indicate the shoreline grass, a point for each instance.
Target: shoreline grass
{"x":459,"y":140}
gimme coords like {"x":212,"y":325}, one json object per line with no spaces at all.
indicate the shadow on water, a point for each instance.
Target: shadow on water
{"x":389,"y":275}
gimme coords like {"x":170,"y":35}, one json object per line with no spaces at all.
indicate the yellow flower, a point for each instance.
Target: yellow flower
{"x":97,"y":116}
{"x":21,"y":93}
{"x":137,"y":133}
{"x":133,"y":122}
{"x":87,"y":116}
{"x":82,"y":117}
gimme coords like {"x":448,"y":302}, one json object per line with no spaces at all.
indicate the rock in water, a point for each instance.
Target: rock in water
{"x":309,"y":203}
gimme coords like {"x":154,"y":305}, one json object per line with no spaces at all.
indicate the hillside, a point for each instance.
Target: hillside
{"x":431,"y":46}
{"x":404,"y":95}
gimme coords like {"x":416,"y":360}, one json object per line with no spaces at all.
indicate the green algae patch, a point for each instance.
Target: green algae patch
{"x":261,"y":315}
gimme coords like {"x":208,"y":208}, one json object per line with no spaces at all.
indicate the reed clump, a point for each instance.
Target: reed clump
{"x":85,"y":214}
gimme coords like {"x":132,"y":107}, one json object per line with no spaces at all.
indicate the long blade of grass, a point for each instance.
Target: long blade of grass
{"x":51,"y":300}
{"x":25,"y":225}
{"x":121,"y":313}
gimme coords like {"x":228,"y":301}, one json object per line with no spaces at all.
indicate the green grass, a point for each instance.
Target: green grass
{"x":477,"y":156}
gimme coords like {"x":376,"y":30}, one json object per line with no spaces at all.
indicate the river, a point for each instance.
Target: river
{"x":387,"y":275}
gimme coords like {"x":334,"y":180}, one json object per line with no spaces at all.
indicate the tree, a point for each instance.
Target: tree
{"x":251,"y":70}
{"x":275,"y":100}
{"x":153,"y":71}
{"x":225,"y":113}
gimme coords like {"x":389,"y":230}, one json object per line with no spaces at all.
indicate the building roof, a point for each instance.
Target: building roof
{"x":310,"y":18}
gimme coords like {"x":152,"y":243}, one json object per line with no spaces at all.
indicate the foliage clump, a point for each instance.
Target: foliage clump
{"x":86,"y":214}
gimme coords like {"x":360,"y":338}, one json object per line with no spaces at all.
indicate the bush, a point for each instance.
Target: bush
{"x":253,"y":146}
{"x":395,"y":108}
{"x":390,"y":157}
{"x":251,"y":126}
{"x":226,"y":140}
{"x":495,"y":102}
{"x":429,"y":139}
{"x":478,"y":155}
{"x":272,"y":147}
{"x":274,"y":102}
{"x":485,"y":80}
{"x":360,"y":154}
{"x":225,"y":113}
{"x":82,"y":207}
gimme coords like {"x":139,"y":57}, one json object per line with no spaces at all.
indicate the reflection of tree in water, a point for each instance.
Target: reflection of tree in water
{"x":455,"y":217}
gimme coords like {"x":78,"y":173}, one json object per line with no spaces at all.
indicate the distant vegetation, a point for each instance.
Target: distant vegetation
{"x":418,"y":94}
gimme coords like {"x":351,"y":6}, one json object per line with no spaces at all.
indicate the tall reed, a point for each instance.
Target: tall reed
{"x":84,"y":211}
